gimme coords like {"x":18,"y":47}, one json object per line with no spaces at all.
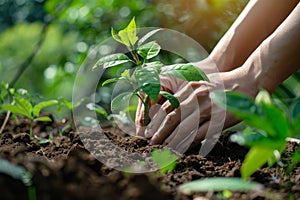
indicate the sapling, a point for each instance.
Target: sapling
{"x":271,"y":127}
{"x":144,"y":75}
{"x":24,"y":108}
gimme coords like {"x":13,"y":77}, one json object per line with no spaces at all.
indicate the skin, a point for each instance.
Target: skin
{"x":258,"y":51}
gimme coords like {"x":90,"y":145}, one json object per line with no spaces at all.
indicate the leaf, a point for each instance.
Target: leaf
{"x":256,"y":139}
{"x":37,"y":108}
{"x":112,"y":80}
{"x":152,"y":90}
{"x":165,"y":160}
{"x":295,"y":159}
{"x":16,"y":110}
{"x":219,"y":184}
{"x":116,"y":36}
{"x":120,"y":99}
{"x":186,"y":72}
{"x":278,"y":119}
{"x":44,"y":119}
{"x":263,"y":98}
{"x":15,"y":171}
{"x":244,"y":108}
{"x":126,"y":36}
{"x":255,"y":159}
{"x":25,"y":105}
{"x":173,"y":100}
{"x":97,"y":108}
{"x":147,"y":36}
{"x":68,"y":104}
{"x":149,"y":50}
{"x":111,"y":61}
{"x":148,"y":80}
{"x":295,"y":110}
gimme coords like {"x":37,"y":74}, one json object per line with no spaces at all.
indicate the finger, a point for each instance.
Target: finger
{"x":157,"y":119}
{"x":184,"y":134}
{"x":168,"y":124}
{"x":139,"y":119}
{"x":162,"y":122}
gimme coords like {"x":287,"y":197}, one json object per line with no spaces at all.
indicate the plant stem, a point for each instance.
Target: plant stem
{"x":146,"y":118}
{"x":30,"y":130}
{"x":5,"y":121}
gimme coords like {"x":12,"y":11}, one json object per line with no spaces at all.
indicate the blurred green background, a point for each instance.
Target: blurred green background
{"x":51,"y":38}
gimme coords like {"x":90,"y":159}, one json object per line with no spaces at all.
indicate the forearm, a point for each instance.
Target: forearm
{"x":278,"y":56}
{"x":257,"y":21}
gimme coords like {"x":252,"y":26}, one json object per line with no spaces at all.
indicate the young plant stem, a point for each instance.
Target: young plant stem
{"x":30,"y":130}
{"x":146,"y":118}
{"x":5,"y":121}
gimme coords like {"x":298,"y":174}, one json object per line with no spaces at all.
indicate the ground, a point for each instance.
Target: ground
{"x":64,"y":169}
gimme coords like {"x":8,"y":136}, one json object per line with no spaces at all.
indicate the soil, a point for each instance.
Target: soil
{"x":63,"y":168}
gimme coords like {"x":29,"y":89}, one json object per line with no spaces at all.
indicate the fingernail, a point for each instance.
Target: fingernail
{"x":148,"y":133}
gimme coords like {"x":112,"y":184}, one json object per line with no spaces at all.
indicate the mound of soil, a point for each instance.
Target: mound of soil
{"x":63,"y":168}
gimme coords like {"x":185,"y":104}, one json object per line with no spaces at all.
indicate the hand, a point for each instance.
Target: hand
{"x":197,"y":116}
{"x":172,"y":85}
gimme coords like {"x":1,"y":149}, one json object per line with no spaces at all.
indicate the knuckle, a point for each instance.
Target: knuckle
{"x":171,"y":118}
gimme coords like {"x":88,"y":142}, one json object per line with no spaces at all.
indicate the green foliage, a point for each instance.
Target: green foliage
{"x":145,"y":77}
{"x":165,"y":160}
{"x":271,"y":126}
{"x":16,"y":172}
{"x":219,"y":184}
{"x":23,"y":107}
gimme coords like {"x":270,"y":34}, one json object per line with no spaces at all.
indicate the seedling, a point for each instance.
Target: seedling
{"x":24,"y":108}
{"x":271,"y":127}
{"x":144,"y":74}
{"x":164,"y":159}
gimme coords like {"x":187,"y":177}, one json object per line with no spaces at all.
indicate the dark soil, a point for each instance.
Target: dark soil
{"x":64,"y":169}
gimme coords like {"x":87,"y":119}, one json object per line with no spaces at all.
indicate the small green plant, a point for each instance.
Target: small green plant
{"x":219,"y":184}
{"x":144,"y":74}
{"x":164,"y":159}
{"x":24,"y":108}
{"x":271,"y":126}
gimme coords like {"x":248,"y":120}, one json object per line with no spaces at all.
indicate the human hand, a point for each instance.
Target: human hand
{"x":197,"y":117}
{"x":169,"y":84}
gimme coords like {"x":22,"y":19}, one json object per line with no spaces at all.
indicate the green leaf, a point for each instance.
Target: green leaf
{"x":44,"y":119}
{"x":152,"y":90}
{"x":295,"y":159}
{"x":25,"y":105}
{"x":165,"y":160}
{"x":279,"y":120}
{"x":148,"y":80}
{"x":257,"y":139}
{"x":112,"y":80}
{"x":116,"y":36}
{"x":295,"y":110}
{"x":111,"y":61}
{"x":173,"y":100}
{"x":263,"y":98}
{"x":16,"y":110}
{"x":186,"y":72}
{"x":37,"y":108}
{"x":244,"y":108}
{"x":15,"y":171}
{"x":149,"y":50}
{"x":118,"y":102}
{"x":147,"y":36}
{"x":219,"y":184}
{"x":255,"y":159}
{"x":126,"y":36}
{"x":97,"y":108}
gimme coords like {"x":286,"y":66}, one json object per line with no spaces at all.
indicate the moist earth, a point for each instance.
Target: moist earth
{"x":63,"y":167}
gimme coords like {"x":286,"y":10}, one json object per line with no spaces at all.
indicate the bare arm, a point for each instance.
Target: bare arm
{"x":278,"y":56}
{"x":257,"y":21}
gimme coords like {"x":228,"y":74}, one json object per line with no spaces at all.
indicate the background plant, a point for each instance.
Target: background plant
{"x":24,"y":108}
{"x":270,"y":127}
